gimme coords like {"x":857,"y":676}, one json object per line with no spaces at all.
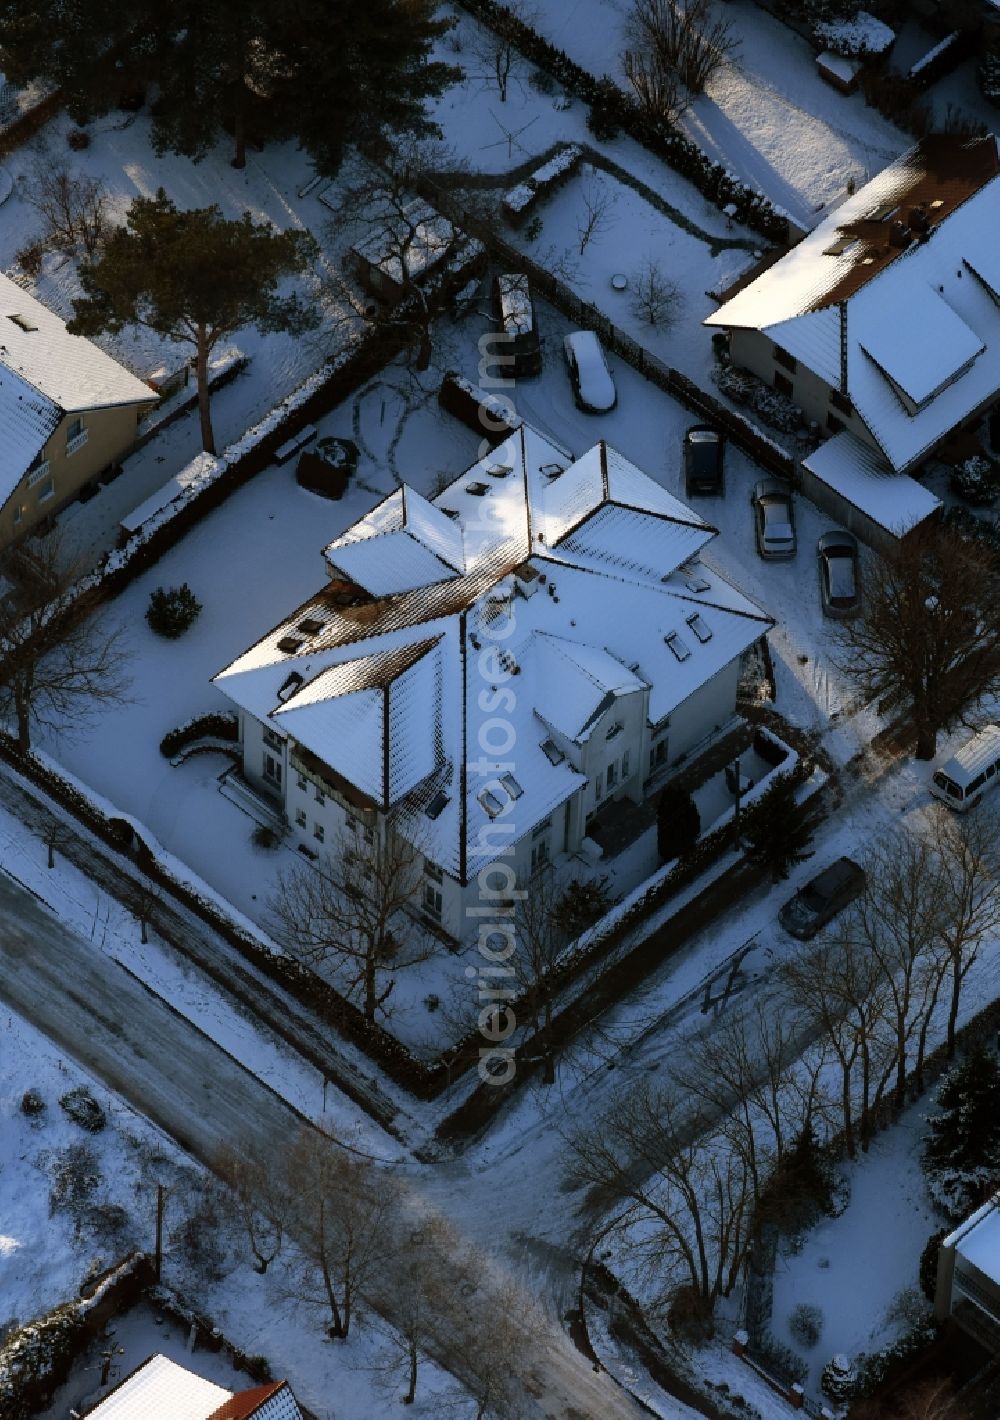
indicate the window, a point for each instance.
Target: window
{"x":841,"y":402}
{"x":302,"y":781}
{"x":539,"y":854}
{"x":677,"y":646}
{"x":616,"y":729}
{"x":612,"y":775}
{"x":272,"y":770}
{"x":625,"y":764}
{"x":37,"y":469}
{"x":542,"y":827}
{"x":658,"y":755}
{"x":599,"y":787}
{"x":783,"y":358}
{"x":431,"y":870}
{"x":700,"y":627}
{"x":437,"y":805}
{"x":369,"y":834}
{"x":835,"y":425}
{"x":300,"y":817}
{"x":783,"y":384}
{"x":433,"y":901}
{"x":18,"y":512}
{"x":46,"y":490}
{"x":320,"y":796}
{"x":490,"y":803}
{"x":76,"y":436}
{"x":513,"y":788}
{"x":272,"y":740}
{"x":319,"y":832}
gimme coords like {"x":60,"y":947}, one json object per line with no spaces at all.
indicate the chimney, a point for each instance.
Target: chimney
{"x":899,"y":235}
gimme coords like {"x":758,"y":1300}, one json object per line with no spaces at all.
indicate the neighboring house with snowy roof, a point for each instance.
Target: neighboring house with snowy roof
{"x":67,"y":411}
{"x":160,"y":1389}
{"x":408,"y":244}
{"x":968,"y":1281}
{"x":883,"y":324}
{"x":491,"y":667}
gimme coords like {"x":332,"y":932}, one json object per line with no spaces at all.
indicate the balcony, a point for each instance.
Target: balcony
{"x":77,"y":442}
{"x":37,"y":474}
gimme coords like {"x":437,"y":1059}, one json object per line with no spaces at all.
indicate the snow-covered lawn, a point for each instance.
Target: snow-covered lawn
{"x":856,"y":1266}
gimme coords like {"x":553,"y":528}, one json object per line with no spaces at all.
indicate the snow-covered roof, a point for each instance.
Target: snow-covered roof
{"x":568,"y":584}
{"x":897,"y":289}
{"x":852,"y":468}
{"x":46,"y":373}
{"x":415,"y":235}
{"x":162,"y":1390}
{"x":977,"y":1240}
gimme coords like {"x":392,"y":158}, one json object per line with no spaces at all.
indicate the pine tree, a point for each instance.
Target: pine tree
{"x":324,"y":73}
{"x":194,"y":277}
{"x":962,"y":1147}
{"x":777,"y":831}
{"x":678,"y":823}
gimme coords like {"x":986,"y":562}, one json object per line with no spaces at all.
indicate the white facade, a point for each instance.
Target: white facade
{"x":968,"y":1285}
{"x":489,"y":670}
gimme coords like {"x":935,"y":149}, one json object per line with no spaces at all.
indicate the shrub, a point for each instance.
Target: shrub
{"x":975,"y":481}
{"x":32,"y":1103}
{"x":781,"y":1360}
{"x":264,"y":837}
{"x":78,"y":139}
{"x":806,"y":1324}
{"x":76,"y":1176}
{"x":881,"y":1368}
{"x":542,"y":81}
{"x":962,"y":1149}
{"x":581,"y":905}
{"x":29,"y":258}
{"x":602,"y":123}
{"x":83,"y":1109}
{"x":839,"y":1378}
{"x":171,"y":610}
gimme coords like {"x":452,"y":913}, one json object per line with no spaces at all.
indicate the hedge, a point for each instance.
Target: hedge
{"x":216,"y":725}
{"x":715,"y":182}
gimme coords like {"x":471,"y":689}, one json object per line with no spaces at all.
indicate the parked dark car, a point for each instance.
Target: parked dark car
{"x":514,"y":313}
{"x":774,"y":521}
{"x":704,"y":458}
{"x":839,"y":578}
{"x":822,"y":898}
{"x":588,"y":370}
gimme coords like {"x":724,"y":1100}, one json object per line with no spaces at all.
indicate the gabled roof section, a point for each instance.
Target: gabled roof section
{"x":921,"y":344}
{"x":904,"y":206}
{"x":404,"y":543}
{"x":161,"y":1390}
{"x":273,"y":1401}
{"x":72,"y":372}
{"x":575,"y":682}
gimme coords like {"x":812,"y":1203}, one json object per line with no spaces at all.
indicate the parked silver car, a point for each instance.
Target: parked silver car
{"x":588,"y":370}
{"x":839,"y":577}
{"x":774,"y":520}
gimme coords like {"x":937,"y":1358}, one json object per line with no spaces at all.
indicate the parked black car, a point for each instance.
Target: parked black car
{"x":820,"y":900}
{"x":704,"y":457}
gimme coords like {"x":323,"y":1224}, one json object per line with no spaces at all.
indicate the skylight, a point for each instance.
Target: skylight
{"x":309,"y":625}
{"x":700,"y":627}
{"x":24,"y":322}
{"x":552,"y":752}
{"x":511,"y":785}
{"x":290,"y":644}
{"x":477,"y":489}
{"x":490,"y":803}
{"x":289,"y":687}
{"x":500,"y":470}
{"x":697,"y":584}
{"x":680,"y":648}
{"x":437,"y":805}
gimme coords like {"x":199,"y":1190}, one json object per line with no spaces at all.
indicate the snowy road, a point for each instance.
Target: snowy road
{"x":183,"y":1082}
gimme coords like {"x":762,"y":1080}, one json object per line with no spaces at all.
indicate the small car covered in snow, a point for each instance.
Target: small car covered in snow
{"x":774,"y":520}
{"x":593,"y":386}
{"x":839,"y":579}
{"x":822,"y":898}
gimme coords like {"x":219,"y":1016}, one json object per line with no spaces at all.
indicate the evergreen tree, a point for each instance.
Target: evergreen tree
{"x":929,"y":1263}
{"x":962,"y":1148}
{"x":309,"y":69}
{"x":777,"y":831}
{"x":194,"y":277}
{"x":678,"y":823}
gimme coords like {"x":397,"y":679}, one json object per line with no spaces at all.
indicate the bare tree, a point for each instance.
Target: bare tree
{"x":60,"y":664}
{"x":73,"y":206}
{"x":969,"y":853}
{"x":655,"y":298}
{"x":678,"y":1177}
{"x":414,"y":242}
{"x":349,"y":911}
{"x":685,"y":40}
{"x":495,"y":48}
{"x":422,"y":1275}
{"x":656,"y":85}
{"x":342,"y":1224}
{"x":599,"y":202}
{"x":260,"y":1200}
{"x":928,"y":635}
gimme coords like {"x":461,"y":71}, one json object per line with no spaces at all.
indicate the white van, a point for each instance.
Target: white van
{"x":967,"y":776}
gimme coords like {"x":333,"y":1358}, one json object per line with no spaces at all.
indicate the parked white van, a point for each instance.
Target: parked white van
{"x":970,"y":773}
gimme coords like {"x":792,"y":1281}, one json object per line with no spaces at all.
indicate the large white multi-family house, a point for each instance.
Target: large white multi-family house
{"x":968,"y":1280}
{"x":490,"y":668}
{"x":883,"y":325}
